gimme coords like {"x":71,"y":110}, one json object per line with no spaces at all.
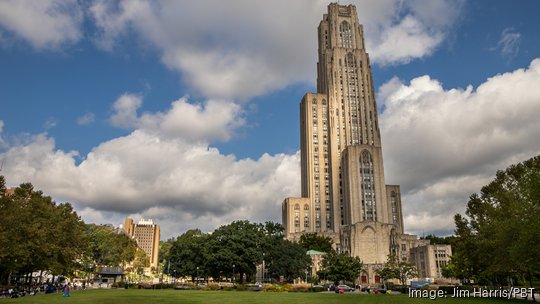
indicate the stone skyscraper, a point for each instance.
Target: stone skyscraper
{"x":344,"y":195}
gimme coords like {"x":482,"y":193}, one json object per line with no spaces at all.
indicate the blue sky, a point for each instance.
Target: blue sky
{"x":188,"y":112}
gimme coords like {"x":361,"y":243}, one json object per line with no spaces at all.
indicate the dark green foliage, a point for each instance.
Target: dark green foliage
{"x":340,"y":267}
{"x":242,"y":244}
{"x":313,"y":241}
{"x":188,"y":252}
{"x":107,"y":248}
{"x":287,"y":259}
{"x":498,"y":238}
{"x":38,"y":234}
{"x":448,"y":240}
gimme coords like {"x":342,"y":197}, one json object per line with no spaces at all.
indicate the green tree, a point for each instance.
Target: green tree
{"x":240,"y":243}
{"x":107,"y":248}
{"x":188,"y":252}
{"x":38,"y":234}
{"x":339,"y":267}
{"x":140,"y":262}
{"x":433,"y":239}
{"x":313,"y":241}
{"x":396,"y":268}
{"x":499,"y":236}
{"x":164,"y":254}
{"x":283,"y":258}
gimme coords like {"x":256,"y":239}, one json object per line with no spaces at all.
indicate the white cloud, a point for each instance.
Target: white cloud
{"x":405,"y":41}
{"x":164,"y":169}
{"x":194,"y":122}
{"x":50,"y":123}
{"x":400,"y":31}
{"x":236,"y":50}
{"x":509,"y":42}
{"x":86,"y":119}
{"x":243,"y":48}
{"x":443,"y":145}
{"x":43,"y":24}
{"x":125,"y":111}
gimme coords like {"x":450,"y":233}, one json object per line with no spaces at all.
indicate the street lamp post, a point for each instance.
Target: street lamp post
{"x":263,"y":268}
{"x":233,"y":276}
{"x":197,"y":275}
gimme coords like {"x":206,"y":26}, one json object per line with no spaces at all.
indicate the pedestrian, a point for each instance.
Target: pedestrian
{"x":66,"y":290}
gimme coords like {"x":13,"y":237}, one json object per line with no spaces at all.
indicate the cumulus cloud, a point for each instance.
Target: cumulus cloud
{"x":125,"y":111}
{"x":245,"y":48}
{"x":239,"y":49}
{"x":43,"y":24}
{"x":159,"y":171}
{"x":86,"y":119}
{"x":195,"y":122}
{"x":443,"y":145}
{"x":400,"y":31}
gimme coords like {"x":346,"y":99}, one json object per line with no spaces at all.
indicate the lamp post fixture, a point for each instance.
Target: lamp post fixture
{"x":197,"y":275}
{"x":263,"y":268}
{"x":233,"y":276}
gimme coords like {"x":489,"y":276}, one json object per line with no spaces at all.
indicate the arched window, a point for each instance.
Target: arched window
{"x":345,"y":35}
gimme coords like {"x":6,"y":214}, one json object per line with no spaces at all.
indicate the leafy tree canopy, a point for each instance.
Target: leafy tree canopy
{"x":313,"y":241}
{"x":340,"y":267}
{"x":499,"y":235}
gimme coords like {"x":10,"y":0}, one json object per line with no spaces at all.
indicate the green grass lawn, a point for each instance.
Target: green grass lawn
{"x":134,"y":296}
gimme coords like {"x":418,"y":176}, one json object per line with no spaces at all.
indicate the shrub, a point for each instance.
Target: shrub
{"x":299,"y":288}
{"x":273,"y":288}
{"x":183,"y":287}
{"x":163,"y":286}
{"x":213,"y":286}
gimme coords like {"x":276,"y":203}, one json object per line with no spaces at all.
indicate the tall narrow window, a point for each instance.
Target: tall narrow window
{"x":393,"y":201}
{"x":306,"y":217}
{"x":367,"y":182}
{"x":296,"y":218}
{"x":345,"y":35}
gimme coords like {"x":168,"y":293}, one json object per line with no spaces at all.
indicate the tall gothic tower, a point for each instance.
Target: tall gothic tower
{"x":344,"y":195}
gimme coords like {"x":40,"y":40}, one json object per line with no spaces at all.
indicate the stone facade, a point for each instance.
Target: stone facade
{"x":344,"y":195}
{"x":431,"y":259}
